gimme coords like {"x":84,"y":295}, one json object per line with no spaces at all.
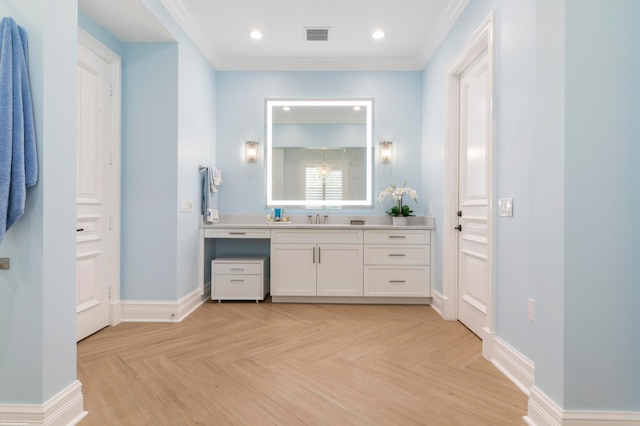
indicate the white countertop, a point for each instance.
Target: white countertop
{"x":335,"y":222}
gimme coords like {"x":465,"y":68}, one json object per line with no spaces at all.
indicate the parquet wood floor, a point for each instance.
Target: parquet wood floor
{"x":242,"y":363}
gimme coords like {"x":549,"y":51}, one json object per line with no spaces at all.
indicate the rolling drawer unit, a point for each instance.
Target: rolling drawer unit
{"x":239,"y":278}
{"x":397,"y":263}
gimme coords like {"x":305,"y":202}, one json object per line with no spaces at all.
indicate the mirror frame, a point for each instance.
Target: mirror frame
{"x":368,"y":104}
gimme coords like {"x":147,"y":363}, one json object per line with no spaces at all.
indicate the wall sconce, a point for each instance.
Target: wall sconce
{"x":386,"y":149}
{"x":252,"y":152}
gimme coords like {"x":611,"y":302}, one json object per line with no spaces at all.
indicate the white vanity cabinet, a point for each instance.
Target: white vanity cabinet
{"x":328,"y":263}
{"x":397,"y":263}
{"x":316,"y":262}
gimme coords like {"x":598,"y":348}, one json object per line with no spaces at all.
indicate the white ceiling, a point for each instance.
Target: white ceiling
{"x":414,"y":29}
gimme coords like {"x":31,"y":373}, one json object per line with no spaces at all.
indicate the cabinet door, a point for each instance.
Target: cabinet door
{"x":340,"y":270}
{"x":293,"y":269}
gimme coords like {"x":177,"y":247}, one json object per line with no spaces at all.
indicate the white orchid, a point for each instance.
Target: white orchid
{"x":398,"y":193}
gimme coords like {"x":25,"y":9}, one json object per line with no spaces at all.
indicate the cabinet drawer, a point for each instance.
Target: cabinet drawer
{"x":396,"y":254}
{"x":399,"y":281}
{"x":390,"y":236}
{"x":237,"y":287}
{"x":237,"y":233}
{"x":294,"y":236}
{"x":221,"y":268}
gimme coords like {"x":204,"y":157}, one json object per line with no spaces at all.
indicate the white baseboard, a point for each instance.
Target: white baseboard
{"x":437,"y":302}
{"x":544,"y":412}
{"x":517,"y":367}
{"x":115,"y":312}
{"x":65,"y":408}
{"x":164,"y":311}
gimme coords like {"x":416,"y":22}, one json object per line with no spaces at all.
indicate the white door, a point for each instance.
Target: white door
{"x":93,"y":193}
{"x":473,"y":196}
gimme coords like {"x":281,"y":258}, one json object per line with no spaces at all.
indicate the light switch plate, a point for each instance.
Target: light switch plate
{"x":186,"y":205}
{"x":506,"y":206}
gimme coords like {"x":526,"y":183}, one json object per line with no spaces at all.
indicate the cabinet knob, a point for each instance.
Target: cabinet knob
{"x":459,"y":228}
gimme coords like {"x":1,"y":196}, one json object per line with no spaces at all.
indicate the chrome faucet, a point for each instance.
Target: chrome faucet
{"x":317,"y":217}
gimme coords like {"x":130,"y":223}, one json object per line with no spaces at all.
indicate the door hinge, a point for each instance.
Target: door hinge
{"x":110,"y":223}
{"x":109,"y":292}
{"x":111,"y":90}
{"x":111,"y":159}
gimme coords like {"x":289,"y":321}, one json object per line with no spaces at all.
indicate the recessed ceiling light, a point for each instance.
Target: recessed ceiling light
{"x":255,"y":34}
{"x":286,"y":108}
{"x":378,"y":34}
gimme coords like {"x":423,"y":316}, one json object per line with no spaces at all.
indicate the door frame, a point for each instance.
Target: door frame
{"x":480,"y":41}
{"x":113,"y":59}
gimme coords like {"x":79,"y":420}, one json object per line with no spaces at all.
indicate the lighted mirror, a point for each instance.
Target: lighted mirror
{"x":319,"y":152}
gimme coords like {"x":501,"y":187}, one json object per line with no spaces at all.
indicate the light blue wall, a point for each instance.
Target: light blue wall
{"x":602,"y":285}
{"x":196,"y":142}
{"x":547,"y":199}
{"x":37,"y":295}
{"x":194,"y":145}
{"x":241,"y":117}
{"x":149,"y":171}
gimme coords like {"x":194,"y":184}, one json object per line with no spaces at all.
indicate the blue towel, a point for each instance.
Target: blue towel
{"x":211,"y":179}
{"x":18,"y":158}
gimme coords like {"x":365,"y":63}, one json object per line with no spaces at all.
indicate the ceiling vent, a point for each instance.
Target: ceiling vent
{"x":317,"y":34}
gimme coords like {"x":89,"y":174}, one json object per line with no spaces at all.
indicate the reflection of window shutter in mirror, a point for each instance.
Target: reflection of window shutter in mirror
{"x":316,"y":190}
{"x":333,"y":188}
{"x":313,"y":183}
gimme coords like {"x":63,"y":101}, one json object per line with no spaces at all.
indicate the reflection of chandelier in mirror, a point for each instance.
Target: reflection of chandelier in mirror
{"x":324,"y":169}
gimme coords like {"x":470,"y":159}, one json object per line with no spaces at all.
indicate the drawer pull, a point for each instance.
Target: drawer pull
{"x":396,"y":236}
{"x":397,"y":281}
{"x":237,"y":281}
{"x":314,"y":255}
{"x":397,"y":255}
{"x":237,"y":269}
{"x":237,"y":233}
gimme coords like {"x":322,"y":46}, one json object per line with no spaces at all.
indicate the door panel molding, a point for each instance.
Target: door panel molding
{"x":480,"y":42}
{"x":86,"y":40}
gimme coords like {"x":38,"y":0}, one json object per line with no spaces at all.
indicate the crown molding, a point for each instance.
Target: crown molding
{"x":407,"y":63}
{"x":319,"y":64}
{"x":451,"y":15}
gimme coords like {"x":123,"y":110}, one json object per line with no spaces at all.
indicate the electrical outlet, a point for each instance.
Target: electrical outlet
{"x":532,"y":310}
